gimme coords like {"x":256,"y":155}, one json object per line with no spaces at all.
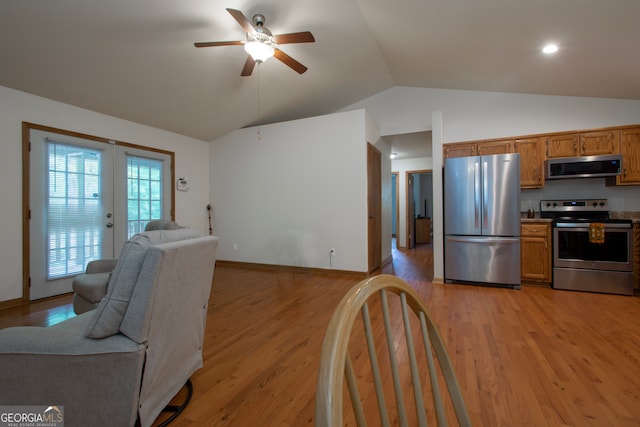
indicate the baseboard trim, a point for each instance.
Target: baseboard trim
{"x":275,"y":267}
{"x":437,"y":280}
{"x":11,"y":303}
{"x":387,"y":261}
{"x":4,"y":305}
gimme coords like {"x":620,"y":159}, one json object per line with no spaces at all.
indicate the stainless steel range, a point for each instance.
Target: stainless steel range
{"x":591,"y":252}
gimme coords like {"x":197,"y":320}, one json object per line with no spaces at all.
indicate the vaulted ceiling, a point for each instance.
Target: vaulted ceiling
{"x":135,"y":59}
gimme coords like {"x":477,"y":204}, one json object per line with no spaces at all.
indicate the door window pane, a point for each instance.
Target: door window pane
{"x":144,"y":192}
{"x":73,"y":209}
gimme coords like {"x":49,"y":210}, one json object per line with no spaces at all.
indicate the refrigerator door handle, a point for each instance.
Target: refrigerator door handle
{"x":485,"y":194}
{"x":476,"y":194}
{"x":483,"y":240}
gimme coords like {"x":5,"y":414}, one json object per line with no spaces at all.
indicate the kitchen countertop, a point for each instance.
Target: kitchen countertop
{"x":536,"y":218}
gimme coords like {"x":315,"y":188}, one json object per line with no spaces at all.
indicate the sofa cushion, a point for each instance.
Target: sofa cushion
{"x":112,"y":308}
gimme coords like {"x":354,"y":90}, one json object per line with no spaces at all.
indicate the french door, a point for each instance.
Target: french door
{"x":86,"y":198}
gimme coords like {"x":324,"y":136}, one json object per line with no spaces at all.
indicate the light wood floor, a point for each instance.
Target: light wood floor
{"x":533,"y":357}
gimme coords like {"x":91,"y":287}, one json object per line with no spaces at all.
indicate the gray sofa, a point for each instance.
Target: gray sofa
{"x":125,"y":360}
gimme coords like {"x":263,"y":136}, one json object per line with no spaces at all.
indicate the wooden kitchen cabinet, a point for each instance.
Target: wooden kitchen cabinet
{"x":531,"y":161}
{"x":535,"y":252}
{"x":494,"y":147}
{"x":630,"y":150}
{"x":423,"y":230}
{"x":599,"y":143}
{"x":563,"y":145}
{"x":535,"y":149}
{"x":459,"y":150}
{"x":530,"y":149}
{"x":478,"y":149}
{"x":583,"y":144}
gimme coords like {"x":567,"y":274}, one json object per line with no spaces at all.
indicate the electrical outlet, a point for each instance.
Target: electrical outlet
{"x":235,"y":246}
{"x":332,"y":251}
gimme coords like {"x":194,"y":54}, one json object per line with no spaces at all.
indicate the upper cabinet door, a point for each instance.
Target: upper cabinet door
{"x":459,"y":150}
{"x":599,"y":143}
{"x":497,"y":147}
{"x":531,"y":161}
{"x":563,"y":145}
{"x":630,"y":150}
{"x":583,"y":144}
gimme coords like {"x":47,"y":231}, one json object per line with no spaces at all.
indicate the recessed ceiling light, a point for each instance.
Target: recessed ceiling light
{"x":550,"y":48}
{"x":393,"y":156}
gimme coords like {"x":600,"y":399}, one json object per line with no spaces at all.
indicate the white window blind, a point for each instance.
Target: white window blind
{"x":73,"y":208}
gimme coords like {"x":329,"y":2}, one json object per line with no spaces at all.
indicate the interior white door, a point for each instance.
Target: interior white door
{"x":71,"y":209}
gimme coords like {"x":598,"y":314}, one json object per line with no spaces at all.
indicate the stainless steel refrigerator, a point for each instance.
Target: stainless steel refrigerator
{"x":482,"y":220}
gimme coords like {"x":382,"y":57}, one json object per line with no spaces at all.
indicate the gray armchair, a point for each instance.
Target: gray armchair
{"x":89,"y":288}
{"x":125,"y":360}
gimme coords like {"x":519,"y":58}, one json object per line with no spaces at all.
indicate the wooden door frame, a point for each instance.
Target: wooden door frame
{"x":408,"y":197}
{"x":397,"y":210}
{"x":374,"y":245}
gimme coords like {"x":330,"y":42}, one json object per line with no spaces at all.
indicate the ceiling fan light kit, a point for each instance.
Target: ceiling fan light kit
{"x":259,"y":51}
{"x":261,"y":45}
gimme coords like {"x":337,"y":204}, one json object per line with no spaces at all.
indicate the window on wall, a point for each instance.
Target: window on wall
{"x":144,"y":192}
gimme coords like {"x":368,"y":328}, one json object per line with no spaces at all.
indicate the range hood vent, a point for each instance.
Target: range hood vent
{"x":583,"y":167}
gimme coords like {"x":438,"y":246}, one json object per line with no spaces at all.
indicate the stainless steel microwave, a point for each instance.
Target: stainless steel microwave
{"x":583,"y":167}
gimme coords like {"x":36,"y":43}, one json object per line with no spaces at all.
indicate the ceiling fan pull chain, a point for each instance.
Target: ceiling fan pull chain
{"x":259,"y":136}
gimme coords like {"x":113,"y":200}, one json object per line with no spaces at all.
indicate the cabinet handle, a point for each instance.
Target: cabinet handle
{"x":575,"y":148}
{"x":584,"y":147}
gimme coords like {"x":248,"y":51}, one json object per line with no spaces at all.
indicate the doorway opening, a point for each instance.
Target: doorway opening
{"x":419,"y":207}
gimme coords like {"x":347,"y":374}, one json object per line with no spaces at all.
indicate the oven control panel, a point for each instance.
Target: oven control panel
{"x":574,"y":205}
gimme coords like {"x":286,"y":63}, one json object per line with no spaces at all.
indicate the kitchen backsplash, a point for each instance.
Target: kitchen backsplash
{"x":624,"y":214}
{"x":621,"y":199}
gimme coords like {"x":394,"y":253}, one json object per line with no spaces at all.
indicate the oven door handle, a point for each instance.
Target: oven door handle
{"x":585,"y":226}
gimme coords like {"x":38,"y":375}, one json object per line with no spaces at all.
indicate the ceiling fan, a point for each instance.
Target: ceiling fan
{"x":260,"y":44}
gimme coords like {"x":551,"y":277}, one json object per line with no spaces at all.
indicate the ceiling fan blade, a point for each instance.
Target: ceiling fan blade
{"x":295,"y":65}
{"x":248,"y":66}
{"x":302,"y":37}
{"x":211,"y":44}
{"x":242,"y":20}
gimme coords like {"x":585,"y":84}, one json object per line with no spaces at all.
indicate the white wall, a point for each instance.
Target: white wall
{"x":470,"y":115}
{"x":291,"y":196}
{"x":191,"y":161}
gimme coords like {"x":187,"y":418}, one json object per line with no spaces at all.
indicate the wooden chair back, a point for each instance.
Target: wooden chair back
{"x":382,"y":309}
